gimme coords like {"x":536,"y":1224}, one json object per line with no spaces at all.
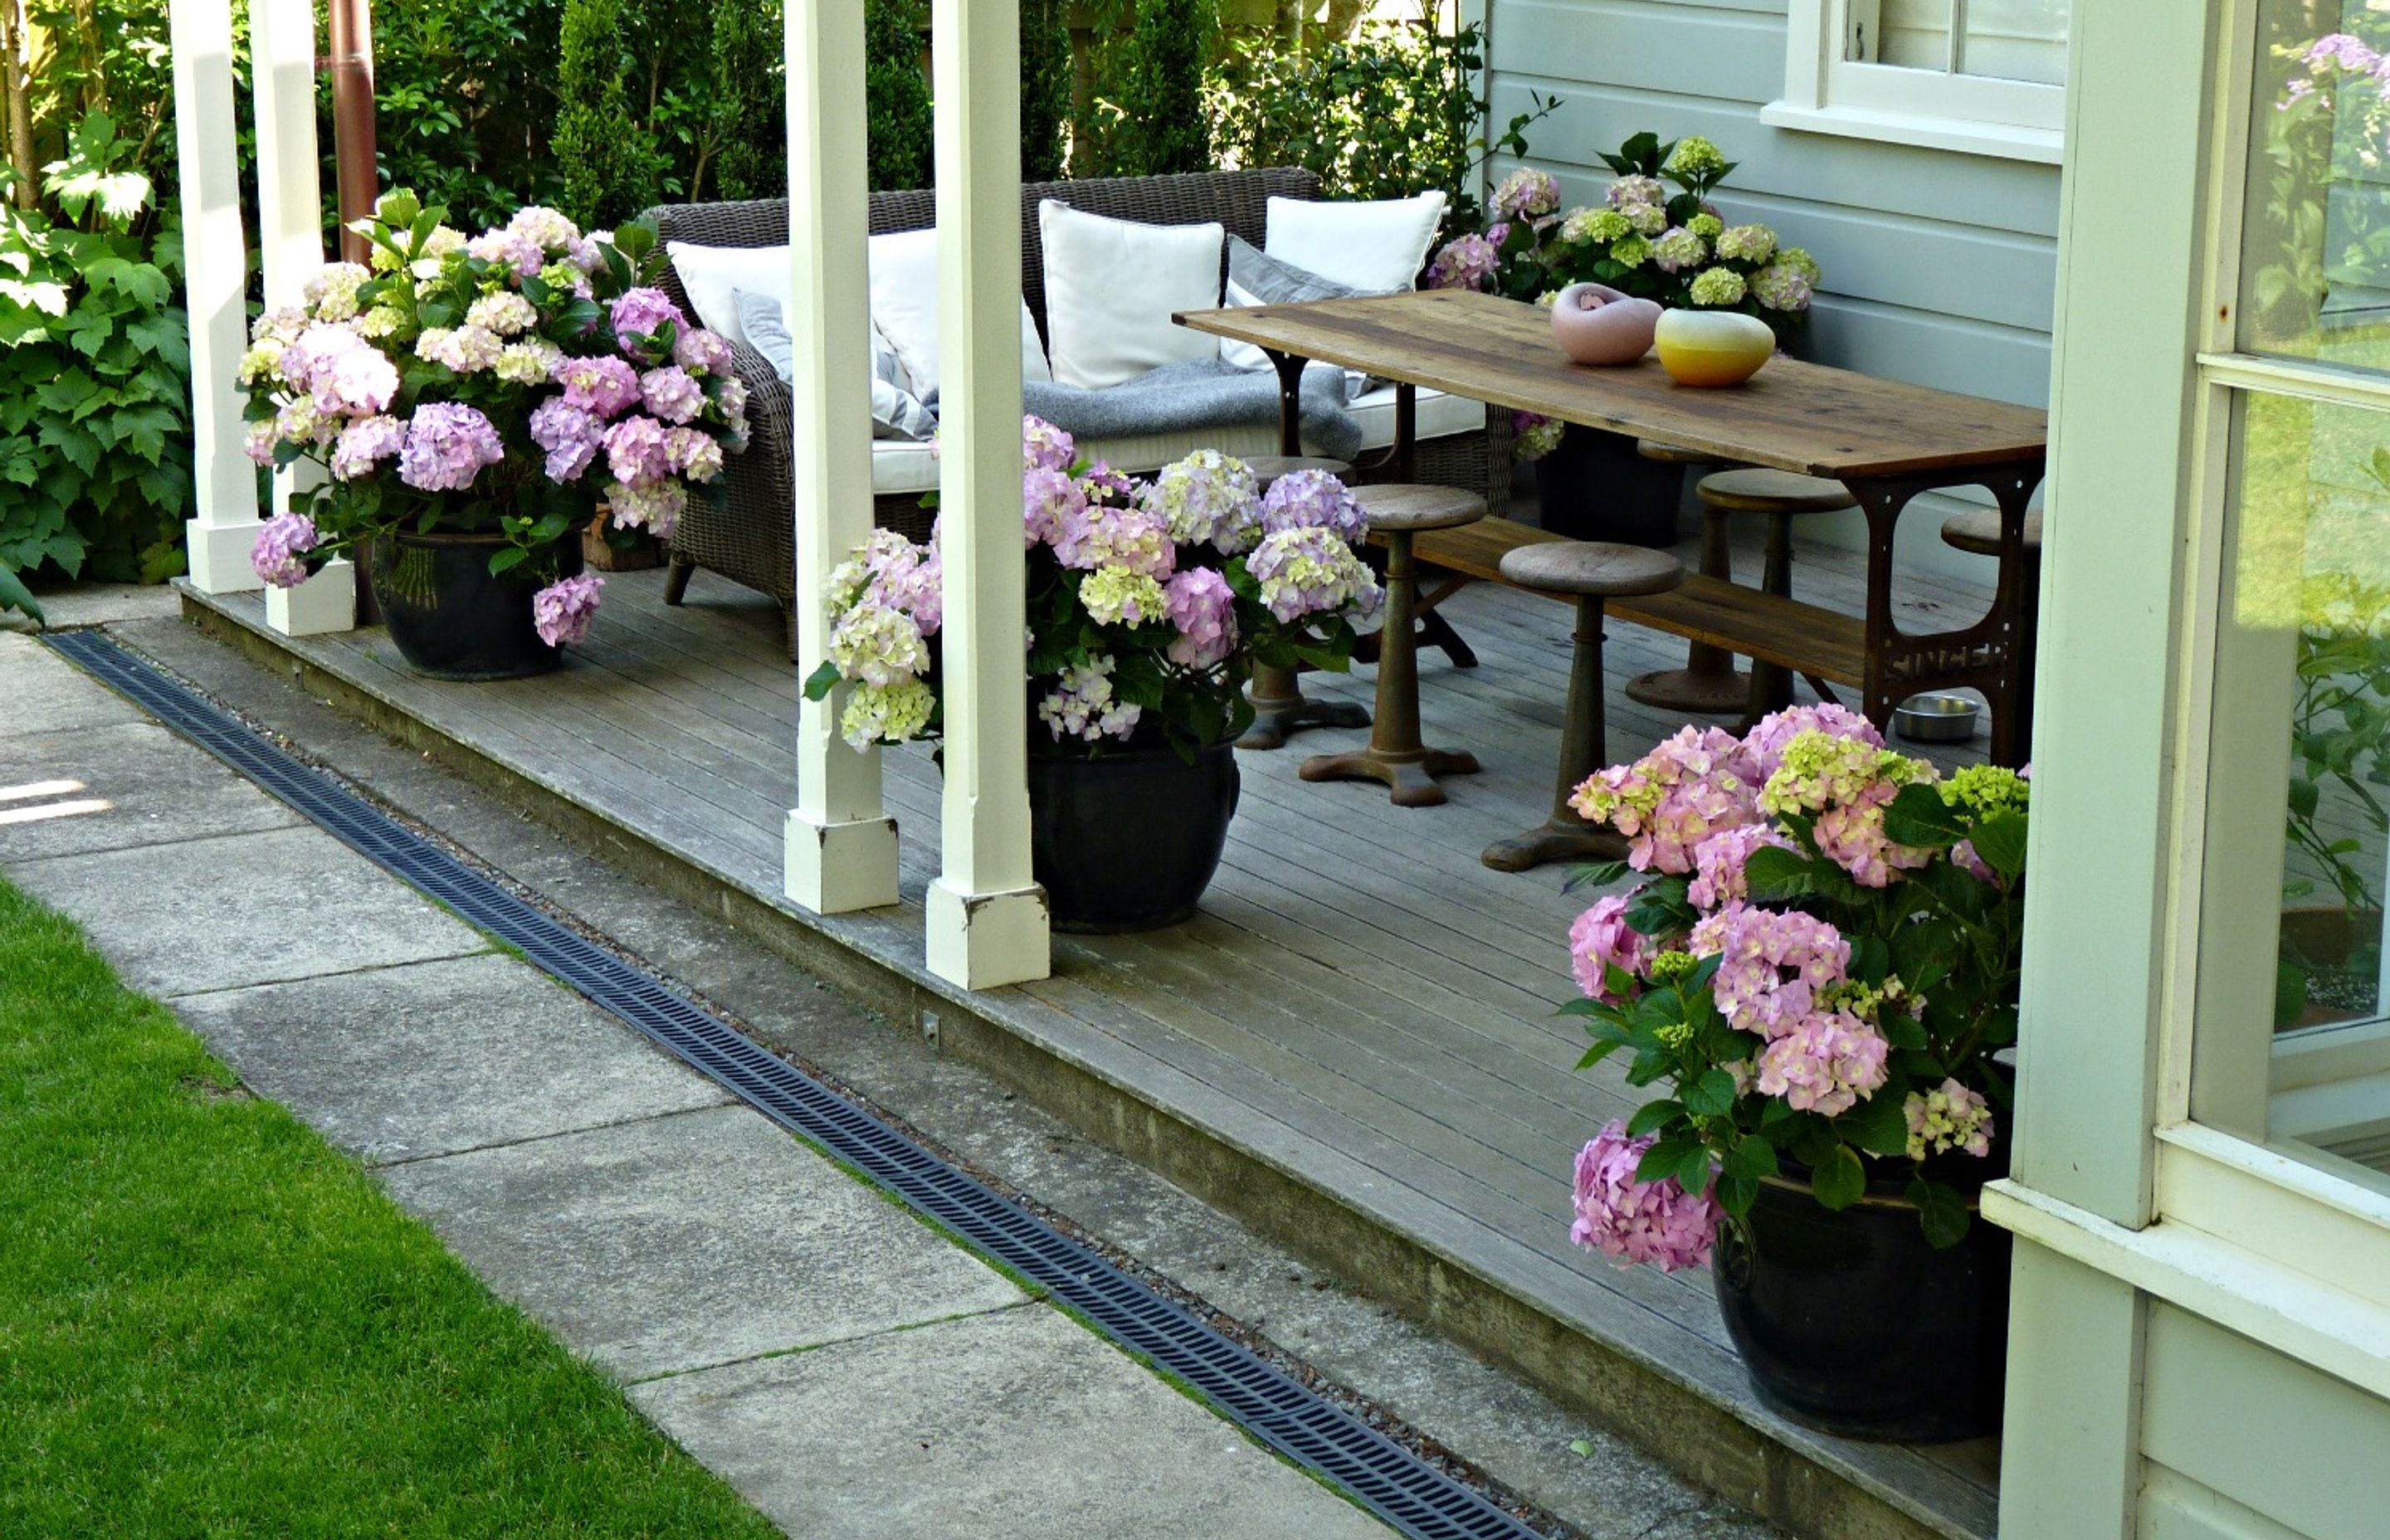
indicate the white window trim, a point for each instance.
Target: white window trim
{"x":1827,"y":94}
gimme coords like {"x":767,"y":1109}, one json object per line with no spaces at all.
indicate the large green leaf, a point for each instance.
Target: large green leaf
{"x":1838,"y":1180}
{"x":14,"y":595}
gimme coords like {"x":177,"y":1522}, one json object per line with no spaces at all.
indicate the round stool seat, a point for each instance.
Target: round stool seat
{"x":1979,"y":532}
{"x":1592,"y":568}
{"x":1773,"y":492}
{"x":1405,"y":506}
{"x":1269,"y":467}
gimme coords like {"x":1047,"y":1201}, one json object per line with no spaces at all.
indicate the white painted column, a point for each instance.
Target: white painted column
{"x":986,"y":920}
{"x":840,"y":844}
{"x":214,"y":276}
{"x":291,"y":250}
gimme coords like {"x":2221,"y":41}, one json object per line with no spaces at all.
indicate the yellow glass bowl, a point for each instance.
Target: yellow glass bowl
{"x":1712,"y":348}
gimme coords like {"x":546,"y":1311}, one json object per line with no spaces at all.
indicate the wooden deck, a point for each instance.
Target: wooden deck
{"x":1362,"y":1009}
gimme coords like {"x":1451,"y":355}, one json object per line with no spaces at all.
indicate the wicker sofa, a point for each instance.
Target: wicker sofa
{"x":750,"y":538}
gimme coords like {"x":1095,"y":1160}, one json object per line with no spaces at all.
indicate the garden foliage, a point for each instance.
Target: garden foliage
{"x":1161,"y":127}
{"x":899,"y":131}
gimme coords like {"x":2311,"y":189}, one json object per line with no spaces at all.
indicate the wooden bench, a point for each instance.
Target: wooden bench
{"x":1819,"y":643}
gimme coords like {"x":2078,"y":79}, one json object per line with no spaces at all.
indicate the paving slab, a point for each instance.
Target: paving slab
{"x":151,"y":786}
{"x":691,"y":1241}
{"x":431,"y":1058}
{"x":1019,"y":1424}
{"x":96,"y":604}
{"x":46,"y":693}
{"x":242,"y":909}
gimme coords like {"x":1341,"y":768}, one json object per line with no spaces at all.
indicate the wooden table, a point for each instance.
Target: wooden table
{"x":1883,"y":440}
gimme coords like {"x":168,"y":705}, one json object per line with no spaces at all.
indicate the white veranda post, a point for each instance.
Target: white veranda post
{"x":291,"y":249}
{"x":214,"y":267}
{"x":841,"y":845}
{"x":986,"y":919}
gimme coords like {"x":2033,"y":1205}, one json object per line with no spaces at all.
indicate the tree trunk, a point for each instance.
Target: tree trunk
{"x":14,"y":84}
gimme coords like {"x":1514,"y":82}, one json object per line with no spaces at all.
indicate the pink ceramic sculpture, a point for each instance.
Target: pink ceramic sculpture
{"x":1595,"y":325}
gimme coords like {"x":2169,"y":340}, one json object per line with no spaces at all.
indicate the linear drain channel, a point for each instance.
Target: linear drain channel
{"x":1397,"y":1485}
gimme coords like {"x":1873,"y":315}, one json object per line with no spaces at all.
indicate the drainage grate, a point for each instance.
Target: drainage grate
{"x":1397,"y":1485}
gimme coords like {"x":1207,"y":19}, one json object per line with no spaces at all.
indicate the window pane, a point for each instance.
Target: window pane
{"x":2291,"y":940}
{"x":2015,"y":40}
{"x":2315,"y":268}
{"x":1916,"y":34}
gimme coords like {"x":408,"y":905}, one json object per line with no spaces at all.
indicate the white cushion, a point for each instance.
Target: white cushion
{"x":715,"y":275}
{"x":905,"y":308}
{"x":901,"y":466}
{"x":1377,"y":248}
{"x":1111,"y":286}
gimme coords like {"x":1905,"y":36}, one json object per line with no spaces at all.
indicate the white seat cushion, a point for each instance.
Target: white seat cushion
{"x":715,"y":275}
{"x":899,"y":467}
{"x":1111,"y":286}
{"x":1373,"y":248}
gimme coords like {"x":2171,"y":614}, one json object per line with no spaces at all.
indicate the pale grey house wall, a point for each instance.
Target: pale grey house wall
{"x":1940,"y":267}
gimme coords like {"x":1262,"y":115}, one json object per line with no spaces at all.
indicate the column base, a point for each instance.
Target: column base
{"x":983,"y":940}
{"x":838,"y":868}
{"x":326,"y":602}
{"x":219,"y":557}
{"x":1558,"y":840}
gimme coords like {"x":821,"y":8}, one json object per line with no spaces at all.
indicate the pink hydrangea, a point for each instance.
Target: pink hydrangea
{"x":602,"y":386}
{"x":279,"y":555}
{"x":656,"y":506}
{"x":703,"y":351}
{"x":1312,"y":572}
{"x":355,"y":382}
{"x":1045,"y":446}
{"x":1773,"y":967}
{"x":641,"y":313}
{"x":1657,"y":1224}
{"x":1050,"y":499}
{"x":1826,"y":1064}
{"x":1131,"y":538}
{"x":363,"y":444}
{"x":1466,"y":262}
{"x":1765,"y":744}
{"x":636,"y":451}
{"x":1694,"y":785}
{"x":1846,"y":784}
{"x":259,"y":440}
{"x":1314,"y":500}
{"x":1203,"y":610}
{"x":570,"y":434}
{"x":515,"y":251}
{"x":1718,"y":861}
{"x":671,"y":394}
{"x":1527,"y":193}
{"x":693,"y":453}
{"x":1601,"y":939}
{"x":1948,"y":1117}
{"x":446,"y":447}
{"x":560,"y":611}
{"x":317,"y":347}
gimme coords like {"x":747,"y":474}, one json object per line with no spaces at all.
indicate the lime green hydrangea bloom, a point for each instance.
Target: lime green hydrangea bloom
{"x":1718,"y":286}
{"x":1984,"y":790}
{"x":1695,"y":157}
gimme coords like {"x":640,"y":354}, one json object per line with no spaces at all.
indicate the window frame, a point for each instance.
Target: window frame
{"x":1824,"y":93}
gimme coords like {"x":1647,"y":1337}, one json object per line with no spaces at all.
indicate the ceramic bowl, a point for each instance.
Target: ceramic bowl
{"x":1601,"y":327}
{"x":1713,"y":349}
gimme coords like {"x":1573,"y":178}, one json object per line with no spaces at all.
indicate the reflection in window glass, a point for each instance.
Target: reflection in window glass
{"x":2021,"y":40}
{"x":2309,"y":628}
{"x":2314,"y":270}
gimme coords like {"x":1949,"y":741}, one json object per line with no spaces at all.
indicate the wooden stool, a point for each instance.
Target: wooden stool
{"x":1783,"y":496}
{"x":1593,"y":572}
{"x":1396,"y":755}
{"x":1279,"y":705}
{"x":1709,"y":684}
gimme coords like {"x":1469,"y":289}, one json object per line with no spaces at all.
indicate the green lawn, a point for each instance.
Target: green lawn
{"x":212,"y":1323}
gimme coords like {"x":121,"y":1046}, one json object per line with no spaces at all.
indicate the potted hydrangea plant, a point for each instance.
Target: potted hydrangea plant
{"x":472,"y":403}
{"x":1819,"y":972}
{"x":1149,"y":603}
{"x":1656,"y":235}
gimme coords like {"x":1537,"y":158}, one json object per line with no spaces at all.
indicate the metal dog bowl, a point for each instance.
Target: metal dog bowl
{"x":1936,"y":718}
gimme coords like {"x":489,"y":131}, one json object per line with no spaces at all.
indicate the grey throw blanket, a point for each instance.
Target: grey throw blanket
{"x":1202,"y":393}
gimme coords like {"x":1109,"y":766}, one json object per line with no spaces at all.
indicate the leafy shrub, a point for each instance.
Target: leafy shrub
{"x":606,"y":158}
{"x":1162,"y":126}
{"x":900,"y":129}
{"x":465,"y":97}
{"x":95,"y":373}
{"x":1044,"y":89}
{"x":749,"y":143}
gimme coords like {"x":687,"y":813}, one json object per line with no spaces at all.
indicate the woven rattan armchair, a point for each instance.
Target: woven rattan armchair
{"x":750,"y":539}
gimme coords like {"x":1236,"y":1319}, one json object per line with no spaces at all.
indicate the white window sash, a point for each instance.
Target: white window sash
{"x":1826,"y":93}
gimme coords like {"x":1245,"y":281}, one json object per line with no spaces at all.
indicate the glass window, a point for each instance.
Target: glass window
{"x":2023,"y":39}
{"x":2315,"y":268}
{"x":2293,"y":1047}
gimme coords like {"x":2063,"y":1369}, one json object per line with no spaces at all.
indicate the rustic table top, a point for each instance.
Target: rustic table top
{"x":1791,"y":415}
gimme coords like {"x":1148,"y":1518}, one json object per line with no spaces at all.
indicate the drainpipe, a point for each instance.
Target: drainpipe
{"x":353,"y":120}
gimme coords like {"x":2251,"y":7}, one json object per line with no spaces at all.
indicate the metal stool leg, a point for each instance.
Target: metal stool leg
{"x":1709,"y":684}
{"x":1281,"y":708}
{"x":1584,"y":745}
{"x":1396,"y":755}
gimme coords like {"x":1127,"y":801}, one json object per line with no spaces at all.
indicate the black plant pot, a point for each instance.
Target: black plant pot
{"x":449,"y":618}
{"x":1128,"y":840}
{"x":1595,"y":487}
{"x":1849,"y":1322}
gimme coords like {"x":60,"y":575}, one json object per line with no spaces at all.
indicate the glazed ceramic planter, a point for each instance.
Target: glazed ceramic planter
{"x":1128,"y":840}
{"x":1600,"y":327}
{"x":449,"y":618}
{"x":1713,"y":349}
{"x":1850,"y":1323}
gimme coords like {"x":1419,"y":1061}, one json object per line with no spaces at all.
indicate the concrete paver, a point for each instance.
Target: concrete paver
{"x":694,"y":1239}
{"x":46,"y":693}
{"x":1017,"y":1423}
{"x":149,"y":795}
{"x":434,"y":1058}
